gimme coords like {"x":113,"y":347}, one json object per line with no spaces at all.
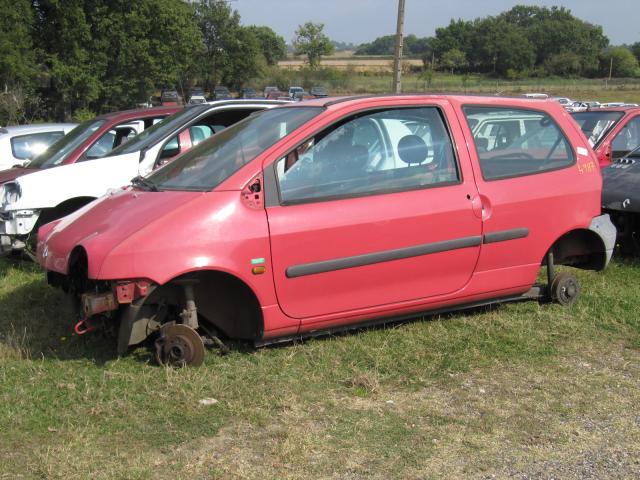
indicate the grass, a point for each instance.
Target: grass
{"x":353,"y":82}
{"x":522,"y":389}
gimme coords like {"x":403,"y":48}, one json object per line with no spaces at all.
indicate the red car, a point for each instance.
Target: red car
{"x":334,"y":213}
{"x":613,"y":132}
{"x":92,"y":139}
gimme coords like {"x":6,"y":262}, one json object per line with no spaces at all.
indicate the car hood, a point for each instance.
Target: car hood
{"x":13,"y":173}
{"x":621,"y":186}
{"x":104,"y":224}
{"x":49,"y":187}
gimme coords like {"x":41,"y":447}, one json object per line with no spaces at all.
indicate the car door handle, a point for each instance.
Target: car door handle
{"x":481,"y":206}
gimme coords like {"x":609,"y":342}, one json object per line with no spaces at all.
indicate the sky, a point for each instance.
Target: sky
{"x":359,"y":21}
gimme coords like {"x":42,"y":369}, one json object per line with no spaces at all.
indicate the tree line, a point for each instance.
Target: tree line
{"x":73,"y":58}
{"x":523,"y":41}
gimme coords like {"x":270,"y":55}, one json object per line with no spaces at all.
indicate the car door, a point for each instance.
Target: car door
{"x":373,"y":211}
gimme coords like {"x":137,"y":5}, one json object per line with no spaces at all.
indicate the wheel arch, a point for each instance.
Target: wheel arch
{"x":581,"y":248}
{"x":223,"y":299}
{"x":63,"y":209}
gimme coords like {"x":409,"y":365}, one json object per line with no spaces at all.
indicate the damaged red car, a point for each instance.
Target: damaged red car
{"x":334,"y":213}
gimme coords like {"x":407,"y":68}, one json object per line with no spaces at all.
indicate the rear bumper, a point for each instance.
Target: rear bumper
{"x":604,"y":228}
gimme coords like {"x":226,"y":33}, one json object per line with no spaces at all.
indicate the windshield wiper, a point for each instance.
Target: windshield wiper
{"x":144,"y":183}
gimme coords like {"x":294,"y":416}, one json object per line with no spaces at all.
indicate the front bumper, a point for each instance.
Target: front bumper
{"x":15,"y":227}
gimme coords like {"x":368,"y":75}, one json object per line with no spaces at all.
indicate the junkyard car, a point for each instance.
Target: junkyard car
{"x":612,"y":132}
{"x":91,"y":140}
{"x":621,"y":199}
{"x":20,"y":143}
{"x":328,"y":214}
{"x":40,"y":197}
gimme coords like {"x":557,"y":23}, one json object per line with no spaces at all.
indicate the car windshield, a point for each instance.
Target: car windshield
{"x":209,"y":164}
{"x":60,"y":150}
{"x":157,"y":132}
{"x":595,"y":125}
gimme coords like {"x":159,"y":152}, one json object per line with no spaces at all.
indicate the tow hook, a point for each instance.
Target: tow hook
{"x":83,"y":327}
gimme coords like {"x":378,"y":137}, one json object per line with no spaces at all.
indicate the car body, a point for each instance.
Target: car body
{"x":170,"y":98}
{"x":49,"y":194}
{"x":221,"y":93}
{"x":621,"y":200}
{"x":539,"y":96}
{"x":319,"y":91}
{"x":293,"y":90}
{"x":21,"y":143}
{"x":197,"y":96}
{"x":270,"y":89}
{"x":276,"y":95}
{"x":91,"y":140}
{"x":300,"y":95}
{"x":334,"y":213}
{"x":247,"y":92}
{"x":612,"y":132}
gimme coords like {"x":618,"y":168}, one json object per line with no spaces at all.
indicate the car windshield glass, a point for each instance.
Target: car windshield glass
{"x":157,"y":132}
{"x":213,"y":161}
{"x":60,"y":150}
{"x":595,"y":125}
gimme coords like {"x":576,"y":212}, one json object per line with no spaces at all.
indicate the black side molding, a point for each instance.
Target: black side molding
{"x":379,"y":257}
{"x":504,"y":235}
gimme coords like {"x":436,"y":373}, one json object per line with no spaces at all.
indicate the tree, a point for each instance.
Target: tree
{"x":231,"y":51}
{"x":310,"y":41}
{"x":454,"y":59}
{"x":635,"y":49}
{"x":272,"y":45}
{"x":622,"y":62}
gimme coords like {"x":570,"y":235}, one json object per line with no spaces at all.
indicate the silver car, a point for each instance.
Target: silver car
{"x":21,"y":143}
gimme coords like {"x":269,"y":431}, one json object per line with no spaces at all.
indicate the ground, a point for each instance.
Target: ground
{"x":517,"y":391}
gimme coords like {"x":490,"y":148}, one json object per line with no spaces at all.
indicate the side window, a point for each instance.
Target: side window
{"x":385,"y":151}
{"x":26,"y":147}
{"x":627,"y":139}
{"x":512,"y":142}
{"x":102,"y":146}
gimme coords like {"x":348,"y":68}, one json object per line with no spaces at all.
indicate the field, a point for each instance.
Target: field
{"x":345,"y":74}
{"x":517,"y":391}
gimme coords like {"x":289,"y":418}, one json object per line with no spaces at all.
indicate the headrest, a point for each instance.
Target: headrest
{"x":412,"y":149}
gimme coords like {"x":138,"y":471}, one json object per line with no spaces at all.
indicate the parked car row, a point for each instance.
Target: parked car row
{"x":277,"y":220}
{"x":37,"y":194}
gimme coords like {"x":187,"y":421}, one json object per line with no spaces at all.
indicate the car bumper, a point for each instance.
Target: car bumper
{"x":604,"y":228}
{"x":15,"y":227}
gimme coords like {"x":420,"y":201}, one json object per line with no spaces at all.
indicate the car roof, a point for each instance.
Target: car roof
{"x":329,"y":102}
{"x":34,"y":128}
{"x":139,"y":113}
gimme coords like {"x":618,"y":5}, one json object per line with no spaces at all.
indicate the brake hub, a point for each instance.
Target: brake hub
{"x":179,"y":346}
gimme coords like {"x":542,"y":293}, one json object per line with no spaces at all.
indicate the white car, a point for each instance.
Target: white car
{"x":49,"y":194}
{"x":21,"y":143}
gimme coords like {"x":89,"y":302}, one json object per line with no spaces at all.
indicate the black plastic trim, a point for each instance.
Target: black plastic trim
{"x":504,"y":235}
{"x":380,"y":257}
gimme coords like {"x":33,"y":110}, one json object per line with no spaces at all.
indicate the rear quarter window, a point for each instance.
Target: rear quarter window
{"x":512,"y":142}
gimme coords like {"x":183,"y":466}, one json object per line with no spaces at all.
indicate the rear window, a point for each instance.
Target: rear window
{"x":26,"y":147}
{"x":513,"y":142}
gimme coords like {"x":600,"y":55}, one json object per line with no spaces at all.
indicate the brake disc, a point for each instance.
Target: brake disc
{"x":179,"y":346}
